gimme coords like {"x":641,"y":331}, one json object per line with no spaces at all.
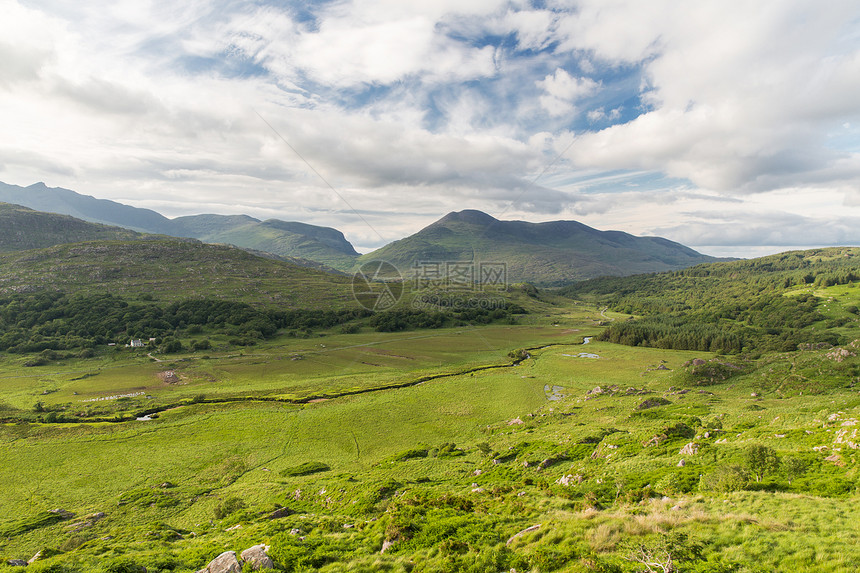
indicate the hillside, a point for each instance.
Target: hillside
{"x":292,"y":240}
{"x":544,"y":253}
{"x":171,"y":269}
{"x":66,"y":202}
{"x":289,"y":239}
{"x":763,"y":304}
{"x":22,"y":229}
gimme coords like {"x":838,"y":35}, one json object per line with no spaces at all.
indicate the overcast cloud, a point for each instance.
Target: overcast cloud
{"x":731,"y":125}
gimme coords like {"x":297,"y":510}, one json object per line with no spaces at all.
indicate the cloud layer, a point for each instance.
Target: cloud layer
{"x":719,"y":123}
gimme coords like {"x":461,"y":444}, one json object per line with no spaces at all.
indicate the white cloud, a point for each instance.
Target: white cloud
{"x":563,"y":90}
{"x":412,"y":109}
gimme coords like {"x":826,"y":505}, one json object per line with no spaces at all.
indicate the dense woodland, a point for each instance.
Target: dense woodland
{"x":727,"y":307}
{"x":56,"y":321}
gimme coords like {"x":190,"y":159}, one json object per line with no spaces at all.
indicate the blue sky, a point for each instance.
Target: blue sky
{"x":730,"y":126}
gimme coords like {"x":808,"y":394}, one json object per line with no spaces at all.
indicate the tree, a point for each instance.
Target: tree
{"x":794,"y":467}
{"x":761,"y":460}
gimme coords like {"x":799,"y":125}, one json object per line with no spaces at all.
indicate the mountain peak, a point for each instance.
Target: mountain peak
{"x":472,"y":216}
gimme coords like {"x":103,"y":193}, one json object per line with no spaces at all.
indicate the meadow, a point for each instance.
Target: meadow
{"x":439,"y":445}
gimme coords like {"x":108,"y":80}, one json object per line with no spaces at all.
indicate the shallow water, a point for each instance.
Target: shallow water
{"x":553,"y":393}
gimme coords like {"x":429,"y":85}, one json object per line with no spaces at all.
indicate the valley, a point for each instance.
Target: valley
{"x":166,"y":401}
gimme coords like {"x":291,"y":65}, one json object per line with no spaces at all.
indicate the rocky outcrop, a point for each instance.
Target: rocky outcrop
{"x":224,"y":563}
{"x":257,"y":557}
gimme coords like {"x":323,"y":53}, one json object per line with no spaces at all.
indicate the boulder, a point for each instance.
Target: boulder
{"x":224,"y":563}
{"x":280,"y":512}
{"x":257,"y":557}
{"x":690,"y":449}
{"x":681,"y":463}
{"x":16,"y":563}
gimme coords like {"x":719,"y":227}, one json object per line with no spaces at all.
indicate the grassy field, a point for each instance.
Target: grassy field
{"x":584,"y":439}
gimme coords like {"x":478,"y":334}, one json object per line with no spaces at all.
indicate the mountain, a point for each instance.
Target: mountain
{"x":543,"y":253}
{"x":172,"y":269}
{"x":66,"y":202}
{"x":22,"y":229}
{"x":292,"y":240}
{"x":289,"y":239}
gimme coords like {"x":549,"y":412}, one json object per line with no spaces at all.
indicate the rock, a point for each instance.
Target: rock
{"x":295,"y":531}
{"x":16,"y":563}
{"x":569,"y":479}
{"x":280,"y":512}
{"x":515,"y":422}
{"x":596,"y":391}
{"x":477,"y":472}
{"x":662,"y":367}
{"x":697,"y":362}
{"x":681,"y":463}
{"x":754,"y":395}
{"x":35,"y":557}
{"x":166,"y":485}
{"x":523,"y":532}
{"x":258,"y":558}
{"x":63,"y":513}
{"x":676,"y":508}
{"x":707,"y":434}
{"x":478,"y":490}
{"x":653,"y":403}
{"x":224,"y":563}
{"x":690,"y":449}
{"x":386,"y":545}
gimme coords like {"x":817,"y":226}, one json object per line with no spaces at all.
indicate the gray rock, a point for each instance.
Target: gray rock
{"x":681,"y":463}
{"x":224,"y":563}
{"x":257,"y":557}
{"x":16,"y":563}
{"x":280,"y":512}
{"x":690,"y":449}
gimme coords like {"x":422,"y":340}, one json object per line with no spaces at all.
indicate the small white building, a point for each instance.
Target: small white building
{"x":136,"y":343}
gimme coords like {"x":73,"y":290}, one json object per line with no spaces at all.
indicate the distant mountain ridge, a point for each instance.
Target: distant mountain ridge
{"x":292,"y":240}
{"x":544,"y":253}
{"x":550,"y":253}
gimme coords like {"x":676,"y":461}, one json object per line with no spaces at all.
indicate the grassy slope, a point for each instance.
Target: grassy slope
{"x":288,"y":239}
{"x":542,"y":253}
{"x":22,"y":229}
{"x":237,"y":450}
{"x":172,"y":270}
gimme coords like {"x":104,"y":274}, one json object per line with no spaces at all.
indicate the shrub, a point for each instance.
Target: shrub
{"x":724,"y":479}
{"x":761,"y":460}
{"x":305,"y":469}
{"x":228,"y":506}
{"x":121,"y":565}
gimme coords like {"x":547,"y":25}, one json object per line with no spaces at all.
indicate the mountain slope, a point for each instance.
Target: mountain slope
{"x":172,"y":269}
{"x":292,"y":240}
{"x":288,"y":239}
{"x":22,"y":229}
{"x":66,"y":202}
{"x":543,"y":253}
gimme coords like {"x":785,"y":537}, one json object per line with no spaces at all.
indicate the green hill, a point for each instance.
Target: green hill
{"x":172,"y":269}
{"x":66,"y":202}
{"x":290,"y":239}
{"x":544,"y":253}
{"x":757,"y":305}
{"x":22,"y":229}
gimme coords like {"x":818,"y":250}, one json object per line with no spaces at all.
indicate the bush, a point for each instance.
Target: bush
{"x":121,"y":565}
{"x":305,"y":469}
{"x":724,"y":479}
{"x":228,"y":506}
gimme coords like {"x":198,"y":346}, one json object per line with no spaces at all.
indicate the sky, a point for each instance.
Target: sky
{"x":730,"y":126}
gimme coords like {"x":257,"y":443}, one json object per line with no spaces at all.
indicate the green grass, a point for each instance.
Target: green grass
{"x":492,"y":447}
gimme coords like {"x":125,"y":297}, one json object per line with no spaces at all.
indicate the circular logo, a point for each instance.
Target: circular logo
{"x":377,"y":285}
